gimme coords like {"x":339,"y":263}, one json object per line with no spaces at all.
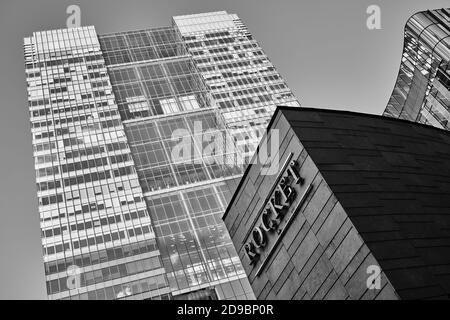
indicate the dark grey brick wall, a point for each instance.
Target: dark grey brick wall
{"x":381,"y":196}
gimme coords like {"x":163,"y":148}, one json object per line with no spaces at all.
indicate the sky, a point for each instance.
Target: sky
{"x":323,"y":49}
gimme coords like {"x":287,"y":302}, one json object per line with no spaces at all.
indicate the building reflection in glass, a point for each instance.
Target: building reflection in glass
{"x":422,"y":90}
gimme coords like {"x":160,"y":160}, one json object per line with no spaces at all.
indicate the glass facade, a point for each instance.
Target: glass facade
{"x":422,"y":90}
{"x":242,"y":80}
{"x":122,"y":217}
{"x":93,"y":214}
{"x":186,"y":202}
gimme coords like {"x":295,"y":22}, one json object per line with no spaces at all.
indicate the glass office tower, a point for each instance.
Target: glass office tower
{"x":97,"y":236}
{"x":242,"y":80}
{"x":422,"y":90}
{"x":121,"y":216}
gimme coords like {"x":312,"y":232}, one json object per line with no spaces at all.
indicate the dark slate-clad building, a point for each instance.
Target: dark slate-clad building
{"x":359,"y":208}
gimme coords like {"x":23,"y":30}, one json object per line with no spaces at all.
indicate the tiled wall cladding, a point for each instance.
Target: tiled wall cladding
{"x":381,"y":196}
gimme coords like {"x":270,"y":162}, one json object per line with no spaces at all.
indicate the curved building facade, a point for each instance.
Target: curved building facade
{"x":422,"y":90}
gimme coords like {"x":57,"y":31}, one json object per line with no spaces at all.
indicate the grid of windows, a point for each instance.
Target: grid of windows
{"x":158,"y":43}
{"x":152,"y":145}
{"x":91,"y":205}
{"x":157,"y":88}
{"x":240,"y":76}
{"x":195,"y":246}
{"x":157,"y":98}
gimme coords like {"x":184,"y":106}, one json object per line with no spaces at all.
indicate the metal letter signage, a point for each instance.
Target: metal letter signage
{"x":274,"y":211}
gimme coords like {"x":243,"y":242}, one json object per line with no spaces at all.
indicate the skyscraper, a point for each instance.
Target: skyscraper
{"x":422,"y":89}
{"x":121,"y":216}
